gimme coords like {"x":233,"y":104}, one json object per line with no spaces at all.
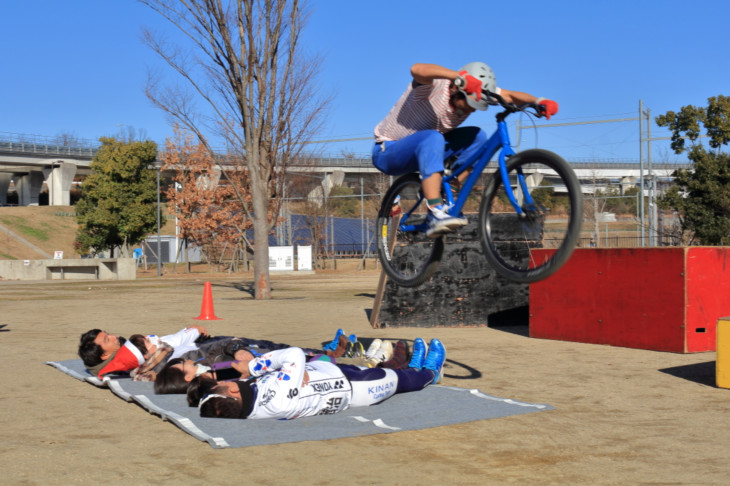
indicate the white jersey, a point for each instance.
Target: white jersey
{"x":182,"y":341}
{"x":281,"y":393}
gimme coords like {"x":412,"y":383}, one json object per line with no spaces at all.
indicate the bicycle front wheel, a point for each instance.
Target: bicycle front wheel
{"x":409,"y":258}
{"x":553,"y":214}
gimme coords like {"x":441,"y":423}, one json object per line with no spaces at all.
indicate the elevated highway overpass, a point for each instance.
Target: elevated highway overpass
{"x":31,"y":161}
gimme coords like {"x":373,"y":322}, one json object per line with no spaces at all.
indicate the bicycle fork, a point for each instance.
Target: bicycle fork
{"x":528,"y":206}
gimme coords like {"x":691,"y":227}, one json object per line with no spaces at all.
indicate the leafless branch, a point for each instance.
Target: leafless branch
{"x":242,"y":61}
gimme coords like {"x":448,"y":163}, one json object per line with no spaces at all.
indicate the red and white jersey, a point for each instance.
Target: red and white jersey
{"x":421,"y":107}
{"x":281,"y":394}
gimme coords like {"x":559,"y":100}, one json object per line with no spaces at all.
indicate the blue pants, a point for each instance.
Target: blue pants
{"x":425,"y":151}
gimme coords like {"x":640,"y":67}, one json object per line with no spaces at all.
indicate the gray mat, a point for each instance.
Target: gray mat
{"x":433,"y":407}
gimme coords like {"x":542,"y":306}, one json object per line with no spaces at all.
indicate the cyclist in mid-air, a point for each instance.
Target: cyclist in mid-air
{"x":422,"y":129}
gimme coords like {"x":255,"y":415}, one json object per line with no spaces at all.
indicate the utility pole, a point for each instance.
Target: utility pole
{"x":641,"y":172}
{"x":652,"y":184}
{"x":362,"y":216}
{"x":158,"y":166}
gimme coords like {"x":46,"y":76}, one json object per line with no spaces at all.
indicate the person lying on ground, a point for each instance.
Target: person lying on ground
{"x":380,"y":353}
{"x":97,"y":348}
{"x":103,"y":353}
{"x":285,"y":386}
{"x":147,"y":356}
{"x":177,"y":374}
{"x":170,"y":376}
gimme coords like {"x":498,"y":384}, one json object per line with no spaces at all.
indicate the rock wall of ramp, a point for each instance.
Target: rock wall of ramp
{"x":464,"y":291}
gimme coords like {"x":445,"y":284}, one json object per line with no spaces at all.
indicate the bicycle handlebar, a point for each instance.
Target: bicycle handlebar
{"x":537,"y":110}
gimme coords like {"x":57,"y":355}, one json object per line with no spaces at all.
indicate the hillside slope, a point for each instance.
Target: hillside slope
{"x":49,"y":228}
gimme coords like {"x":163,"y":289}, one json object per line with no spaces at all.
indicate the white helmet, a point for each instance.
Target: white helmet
{"x":489,"y":82}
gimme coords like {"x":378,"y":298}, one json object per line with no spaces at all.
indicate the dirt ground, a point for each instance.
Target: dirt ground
{"x":622,"y":416}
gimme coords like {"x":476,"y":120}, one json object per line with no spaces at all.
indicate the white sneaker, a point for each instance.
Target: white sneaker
{"x":440,"y":222}
{"x":381,"y":354}
{"x":373,"y":348}
{"x":385,"y":352}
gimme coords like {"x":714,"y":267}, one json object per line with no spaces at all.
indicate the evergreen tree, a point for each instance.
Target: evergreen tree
{"x":117,"y":208}
{"x":344,"y":207}
{"x":701,"y":195}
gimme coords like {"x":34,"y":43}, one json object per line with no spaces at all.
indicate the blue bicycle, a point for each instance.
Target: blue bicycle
{"x":533,"y":200}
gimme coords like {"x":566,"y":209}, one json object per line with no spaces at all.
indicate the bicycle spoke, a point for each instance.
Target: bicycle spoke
{"x":551,"y":216}
{"x":407,"y":255}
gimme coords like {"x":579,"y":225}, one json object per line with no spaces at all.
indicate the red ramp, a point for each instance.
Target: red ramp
{"x":663,"y":299}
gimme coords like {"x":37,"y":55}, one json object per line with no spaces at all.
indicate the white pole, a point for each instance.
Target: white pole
{"x":159,"y":252}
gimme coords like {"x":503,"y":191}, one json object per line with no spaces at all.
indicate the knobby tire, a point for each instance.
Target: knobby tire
{"x":555,"y":222}
{"x":409,"y":258}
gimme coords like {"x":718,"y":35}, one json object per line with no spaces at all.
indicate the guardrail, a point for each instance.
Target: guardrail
{"x":58,"y":146}
{"x":37,"y":144}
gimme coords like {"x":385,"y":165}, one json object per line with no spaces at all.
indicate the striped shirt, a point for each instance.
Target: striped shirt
{"x":421,"y":107}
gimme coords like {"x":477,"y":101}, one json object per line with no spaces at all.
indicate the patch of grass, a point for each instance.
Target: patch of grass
{"x":37,"y":233}
{"x":5,"y":256}
{"x":17,"y":224}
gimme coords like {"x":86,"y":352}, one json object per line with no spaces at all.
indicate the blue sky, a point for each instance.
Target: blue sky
{"x":79,"y":67}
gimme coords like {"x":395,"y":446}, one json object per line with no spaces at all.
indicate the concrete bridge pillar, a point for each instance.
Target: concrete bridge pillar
{"x":208,"y":181}
{"x":532,"y":180}
{"x":28,"y":187}
{"x":59,"y":179}
{"x":628,"y":183}
{"x":330,"y":180}
{"x":5,"y":179}
{"x":334,"y":178}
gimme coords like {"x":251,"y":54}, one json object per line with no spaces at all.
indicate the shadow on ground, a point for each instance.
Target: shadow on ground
{"x":702,"y":373}
{"x":249,"y":289}
{"x":515,"y":321}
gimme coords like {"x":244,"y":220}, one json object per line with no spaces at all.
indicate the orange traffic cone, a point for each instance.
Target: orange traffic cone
{"x":206,"y":310}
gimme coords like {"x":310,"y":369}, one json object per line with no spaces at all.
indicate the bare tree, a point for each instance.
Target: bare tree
{"x":594,"y":207}
{"x":245,"y":64}
{"x":129,"y":134}
{"x":68,"y":139}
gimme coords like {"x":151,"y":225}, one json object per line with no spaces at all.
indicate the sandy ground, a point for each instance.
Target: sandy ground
{"x":622,"y":416}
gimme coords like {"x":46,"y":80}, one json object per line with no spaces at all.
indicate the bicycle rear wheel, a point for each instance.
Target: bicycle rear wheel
{"x":553,"y":221}
{"x":408,"y":256}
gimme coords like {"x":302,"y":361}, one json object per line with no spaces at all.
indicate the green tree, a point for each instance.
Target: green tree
{"x":629,"y":201}
{"x":616,"y":203}
{"x":117,"y":208}
{"x":701,"y":195}
{"x":343,"y":202}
